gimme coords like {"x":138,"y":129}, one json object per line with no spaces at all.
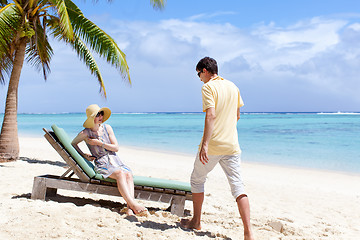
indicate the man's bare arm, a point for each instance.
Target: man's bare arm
{"x":209,"y":127}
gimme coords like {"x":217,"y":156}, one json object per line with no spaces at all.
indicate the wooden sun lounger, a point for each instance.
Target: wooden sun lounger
{"x":47,"y":185}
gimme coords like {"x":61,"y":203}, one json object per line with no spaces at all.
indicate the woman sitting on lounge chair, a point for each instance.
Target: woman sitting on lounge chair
{"x":103,"y":146}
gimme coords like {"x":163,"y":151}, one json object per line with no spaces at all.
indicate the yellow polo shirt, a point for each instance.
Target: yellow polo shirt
{"x":225,"y":97}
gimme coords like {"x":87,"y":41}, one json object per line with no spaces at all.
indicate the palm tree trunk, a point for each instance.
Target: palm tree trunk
{"x":9,"y":141}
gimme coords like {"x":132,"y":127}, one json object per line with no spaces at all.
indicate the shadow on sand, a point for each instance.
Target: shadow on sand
{"x":80,"y":202}
{"x":117,"y":207}
{"x":205,"y":233}
{"x":36,"y":161}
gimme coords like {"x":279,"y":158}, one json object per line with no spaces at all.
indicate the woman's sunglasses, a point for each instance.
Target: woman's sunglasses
{"x":100,"y":113}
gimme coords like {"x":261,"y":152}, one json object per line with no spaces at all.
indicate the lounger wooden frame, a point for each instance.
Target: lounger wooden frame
{"x":47,"y":185}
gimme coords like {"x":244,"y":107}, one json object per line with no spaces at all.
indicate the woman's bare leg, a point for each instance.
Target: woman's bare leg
{"x":125,"y":192}
{"x":130,"y":184}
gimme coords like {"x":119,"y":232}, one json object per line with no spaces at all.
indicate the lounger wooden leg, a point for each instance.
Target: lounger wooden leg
{"x":39,"y":188}
{"x":178,"y":205}
{"x":51,"y":192}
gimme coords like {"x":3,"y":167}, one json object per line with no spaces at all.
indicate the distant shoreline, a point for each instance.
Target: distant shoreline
{"x":26,"y":138}
{"x":317,"y":112}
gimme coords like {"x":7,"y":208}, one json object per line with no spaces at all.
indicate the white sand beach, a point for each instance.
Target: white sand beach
{"x":308,"y":204}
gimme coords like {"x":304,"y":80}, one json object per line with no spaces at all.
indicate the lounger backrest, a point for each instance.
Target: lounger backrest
{"x":86,"y":166}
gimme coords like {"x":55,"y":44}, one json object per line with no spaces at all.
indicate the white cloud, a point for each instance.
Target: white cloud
{"x":207,"y":16}
{"x":266,"y":45}
{"x":320,"y":33}
{"x":297,"y":43}
{"x":355,"y":26}
{"x":318,"y":52}
{"x":314,"y":57}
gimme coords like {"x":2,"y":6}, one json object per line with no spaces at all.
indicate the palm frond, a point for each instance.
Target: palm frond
{"x":158,"y":4}
{"x":85,"y":55}
{"x":19,"y":6}
{"x":53,"y":24}
{"x":71,"y":5}
{"x":6,"y":7}
{"x":6,"y":65}
{"x":39,"y":51}
{"x":10,"y":22}
{"x":33,"y":3}
{"x":82,"y":51}
{"x":3,"y":3}
{"x":65,"y":21}
{"x":99,"y":41}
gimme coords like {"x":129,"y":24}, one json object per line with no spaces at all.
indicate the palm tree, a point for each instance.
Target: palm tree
{"x":25,"y":27}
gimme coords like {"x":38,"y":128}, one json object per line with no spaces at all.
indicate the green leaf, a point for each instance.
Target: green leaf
{"x":10,"y":23}
{"x":39,"y":51}
{"x":99,"y":41}
{"x":85,"y":55}
{"x":158,"y":4}
{"x":65,"y":21}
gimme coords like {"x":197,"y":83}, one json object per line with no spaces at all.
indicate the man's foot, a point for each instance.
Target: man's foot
{"x":190,"y":224}
{"x":248,"y":236}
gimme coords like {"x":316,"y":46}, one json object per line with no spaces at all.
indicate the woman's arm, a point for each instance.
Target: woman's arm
{"x":113,"y":146}
{"x":79,"y":138}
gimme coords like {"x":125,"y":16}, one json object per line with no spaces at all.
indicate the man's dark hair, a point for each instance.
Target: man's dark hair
{"x":209,"y":64}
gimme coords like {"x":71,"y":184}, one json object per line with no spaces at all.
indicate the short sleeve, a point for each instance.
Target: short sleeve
{"x":240,"y":101}
{"x":207,"y":97}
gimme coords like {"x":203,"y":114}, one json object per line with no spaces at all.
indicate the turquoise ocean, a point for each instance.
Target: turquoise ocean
{"x":328,"y":141}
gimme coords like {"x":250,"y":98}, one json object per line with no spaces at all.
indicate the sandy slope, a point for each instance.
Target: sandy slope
{"x":308,"y":204}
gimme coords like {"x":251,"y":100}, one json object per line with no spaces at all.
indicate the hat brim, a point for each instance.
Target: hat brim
{"x":89,"y":122}
{"x":107,"y":113}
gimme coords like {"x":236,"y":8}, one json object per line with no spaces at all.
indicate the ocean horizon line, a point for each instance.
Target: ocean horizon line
{"x":176,"y":112}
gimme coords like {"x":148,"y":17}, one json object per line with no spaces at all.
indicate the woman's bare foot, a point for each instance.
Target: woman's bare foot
{"x":190,"y":224}
{"x":139,"y":210}
{"x":129,"y":211}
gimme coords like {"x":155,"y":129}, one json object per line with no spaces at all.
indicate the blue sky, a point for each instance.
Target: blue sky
{"x":283,"y":55}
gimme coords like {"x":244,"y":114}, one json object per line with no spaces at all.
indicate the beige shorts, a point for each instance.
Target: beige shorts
{"x":230,"y":165}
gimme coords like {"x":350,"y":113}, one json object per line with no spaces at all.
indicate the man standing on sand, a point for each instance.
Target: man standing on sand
{"x":221,"y":102}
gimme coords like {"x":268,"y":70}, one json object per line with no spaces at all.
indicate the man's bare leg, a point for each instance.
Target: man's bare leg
{"x":244,"y":210}
{"x":195,"y":222}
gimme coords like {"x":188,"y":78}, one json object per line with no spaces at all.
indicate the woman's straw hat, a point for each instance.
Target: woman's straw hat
{"x":92,"y":111}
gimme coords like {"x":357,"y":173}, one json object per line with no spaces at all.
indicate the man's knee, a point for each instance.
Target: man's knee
{"x":241,"y":196}
{"x":197,"y":184}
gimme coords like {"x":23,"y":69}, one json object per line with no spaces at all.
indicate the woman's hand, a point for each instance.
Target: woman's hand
{"x":89,"y":157}
{"x":94,"y":141}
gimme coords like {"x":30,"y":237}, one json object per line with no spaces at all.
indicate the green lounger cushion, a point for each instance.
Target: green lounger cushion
{"x":88,"y":167}
{"x":155,"y":182}
{"x":162,"y":183}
